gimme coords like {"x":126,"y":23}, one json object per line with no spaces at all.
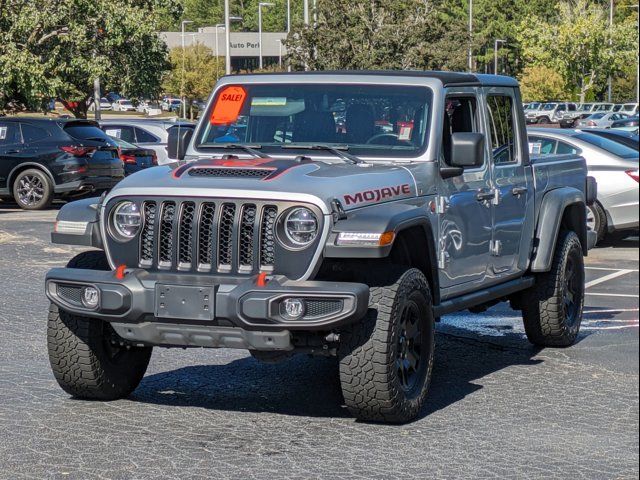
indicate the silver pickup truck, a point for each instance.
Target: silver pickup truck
{"x":337,"y":214}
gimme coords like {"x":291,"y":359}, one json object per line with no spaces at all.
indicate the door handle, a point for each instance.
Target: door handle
{"x":517,"y":191}
{"x":485,"y":195}
{"x":9,"y":152}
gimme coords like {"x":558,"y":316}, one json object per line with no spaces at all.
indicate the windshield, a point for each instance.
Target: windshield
{"x":610,"y":146}
{"x":629,"y":107}
{"x":534,"y":106}
{"x":596,"y":116}
{"x":585,"y":107}
{"x":369,"y":120}
{"x":548,"y":106}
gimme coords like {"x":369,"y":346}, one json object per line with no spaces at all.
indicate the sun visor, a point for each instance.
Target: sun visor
{"x":275,"y":107}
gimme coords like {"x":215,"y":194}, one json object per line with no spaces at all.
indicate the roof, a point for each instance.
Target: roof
{"x":447,"y":78}
{"x":44,"y":119}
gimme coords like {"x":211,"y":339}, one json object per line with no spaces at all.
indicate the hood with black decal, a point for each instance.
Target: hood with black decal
{"x":354,"y":185}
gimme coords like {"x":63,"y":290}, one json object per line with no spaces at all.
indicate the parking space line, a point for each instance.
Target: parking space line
{"x":607,"y":269}
{"x":587,"y":311}
{"x":606,"y":278}
{"x":623,"y":295}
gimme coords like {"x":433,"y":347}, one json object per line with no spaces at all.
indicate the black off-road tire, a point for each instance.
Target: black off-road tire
{"x":371,"y":380}
{"x":44,"y":190}
{"x":85,"y":354}
{"x":550,"y":320}
{"x":600,"y":220}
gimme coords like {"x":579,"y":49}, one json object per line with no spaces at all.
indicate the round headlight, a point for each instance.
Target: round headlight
{"x":126,"y":220}
{"x":301,"y":226}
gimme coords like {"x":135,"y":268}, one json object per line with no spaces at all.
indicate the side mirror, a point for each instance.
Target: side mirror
{"x":179,"y":138}
{"x":467,"y":150}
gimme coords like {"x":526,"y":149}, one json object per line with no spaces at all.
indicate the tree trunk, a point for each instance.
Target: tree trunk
{"x":78,"y":109}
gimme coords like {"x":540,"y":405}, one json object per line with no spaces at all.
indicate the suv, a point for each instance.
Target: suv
{"x":296,"y":236}
{"x":41,"y":159}
{"x":148,"y":133}
{"x":551,"y":112}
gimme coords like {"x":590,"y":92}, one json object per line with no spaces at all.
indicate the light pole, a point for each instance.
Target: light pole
{"x":495,"y":54}
{"x":227,"y":38}
{"x":217,"y":27}
{"x":260,"y":5}
{"x":609,"y":80}
{"x":470,"y":53}
{"x":288,"y":16}
{"x":306,"y":12}
{"x":184,"y":103}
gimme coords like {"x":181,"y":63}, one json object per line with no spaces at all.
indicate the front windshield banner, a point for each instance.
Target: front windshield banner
{"x":368,"y":120}
{"x":228,"y":105}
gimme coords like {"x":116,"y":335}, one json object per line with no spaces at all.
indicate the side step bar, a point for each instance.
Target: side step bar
{"x":482,"y":296}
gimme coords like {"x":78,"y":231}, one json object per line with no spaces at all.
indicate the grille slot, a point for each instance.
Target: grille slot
{"x":230,"y":172}
{"x":207,"y":236}
{"x":322,"y":308}
{"x":70,"y":293}
{"x":165,"y":249}
{"x":185,"y":235}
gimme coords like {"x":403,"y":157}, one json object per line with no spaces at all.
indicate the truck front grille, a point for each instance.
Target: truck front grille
{"x":220,"y":237}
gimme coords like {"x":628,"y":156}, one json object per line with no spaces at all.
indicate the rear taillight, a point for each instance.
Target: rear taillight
{"x":635,"y":174}
{"x":78,"y":150}
{"x":129,"y":159}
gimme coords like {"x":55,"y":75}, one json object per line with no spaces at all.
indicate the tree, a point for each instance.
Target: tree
{"x":538,"y":82}
{"x":56,"y":48}
{"x":200,"y":73}
{"x":375,"y":34}
{"x":579,"y":44}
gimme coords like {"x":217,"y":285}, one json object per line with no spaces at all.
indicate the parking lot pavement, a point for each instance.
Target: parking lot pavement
{"x":498,"y":407}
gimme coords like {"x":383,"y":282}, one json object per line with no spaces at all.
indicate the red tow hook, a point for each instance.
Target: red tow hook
{"x":120,"y":272}
{"x":261,"y":281}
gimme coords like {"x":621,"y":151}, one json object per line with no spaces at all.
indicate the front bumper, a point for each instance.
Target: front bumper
{"x":142,"y":298}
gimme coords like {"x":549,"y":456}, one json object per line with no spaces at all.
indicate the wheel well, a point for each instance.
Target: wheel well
{"x":22,"y":168}
{"x":574,"y":218}
{"x":413,"y":247}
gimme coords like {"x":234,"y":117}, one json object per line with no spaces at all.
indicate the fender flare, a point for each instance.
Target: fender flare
{"x":83,"y":211}
{"x":551,"y":213}
{"x":21,"y":166}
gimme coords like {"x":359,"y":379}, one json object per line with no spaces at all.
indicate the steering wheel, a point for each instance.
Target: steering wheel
{"x":390,"y":136}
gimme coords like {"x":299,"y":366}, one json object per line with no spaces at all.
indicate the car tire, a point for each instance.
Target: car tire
{"x":89,"y":360}
{"x":544,"y":121}
{"x":597,"y":220}
{"x":552,"y":309}
{"x":32,"y":189}
{"x":386,"y":359}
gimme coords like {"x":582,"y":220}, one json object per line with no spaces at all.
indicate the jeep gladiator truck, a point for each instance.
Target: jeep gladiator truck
{"x":337,"y":214}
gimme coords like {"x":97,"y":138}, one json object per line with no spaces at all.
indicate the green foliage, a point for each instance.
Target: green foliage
{"x":579,"y":45}
{"x":200,"y":73}
{"x":403,"y":34}
{"x":538,"y":82}
{"x":56,"y":48}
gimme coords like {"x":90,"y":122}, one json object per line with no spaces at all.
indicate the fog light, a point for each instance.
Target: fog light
{"x":293,"y":308}
{"x":90,"y":297}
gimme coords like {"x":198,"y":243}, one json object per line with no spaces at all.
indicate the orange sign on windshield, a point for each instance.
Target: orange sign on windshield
{"x":228,"y":106}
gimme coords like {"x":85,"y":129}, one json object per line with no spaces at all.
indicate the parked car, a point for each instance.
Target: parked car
{"x":105,"y":104}
{"x":587,"y":109}
{"x":600,"y":120}
{"x":628,"y":139}
{"x":144,"y":132}
{"x":135,"y":158}
{"x":629,"y":123}
{"x":148,"y":107}
{"x":171,"y":105}
{"x":123,"y":105}
{"x":42,"y":159}
{"x":615,"y":168}
{"x":305,"y":247}
{"x":630,"y":109}
{"x":551,"y":112}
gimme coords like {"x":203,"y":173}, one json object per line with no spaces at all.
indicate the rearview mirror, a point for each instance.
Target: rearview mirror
{"x":467,"y":149}
{"x":178,"y":141}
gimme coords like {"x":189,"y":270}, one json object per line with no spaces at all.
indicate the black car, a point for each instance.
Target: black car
{"x":134,"y":157}
{"x":627,"y":122}
{"x":45,"y":158}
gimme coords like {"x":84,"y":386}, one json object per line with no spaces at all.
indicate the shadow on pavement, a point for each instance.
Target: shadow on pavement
{"x":310,"y":387}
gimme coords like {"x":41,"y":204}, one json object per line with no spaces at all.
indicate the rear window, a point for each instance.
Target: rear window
{"x":85,"y":131}
{"x":607,"y":145}
{"x":145,"y":137}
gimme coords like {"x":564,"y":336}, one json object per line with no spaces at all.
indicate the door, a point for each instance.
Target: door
{"x":464,"y":205}
{"x":10,"y":151}
{"x":509,"y":179}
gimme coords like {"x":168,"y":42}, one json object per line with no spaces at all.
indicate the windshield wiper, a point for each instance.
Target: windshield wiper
{"x":251,"y":149}
{"x":339,"y":151}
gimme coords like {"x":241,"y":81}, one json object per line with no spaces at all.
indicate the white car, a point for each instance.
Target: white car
{"x":601,"y":120}
{"x":123,"y":105}
{"x":630,"y":109}
{"x":104,"y":105}
{"x":613,"y":165}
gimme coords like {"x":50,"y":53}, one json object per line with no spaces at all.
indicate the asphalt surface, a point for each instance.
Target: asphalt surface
{"x":498,"y":407}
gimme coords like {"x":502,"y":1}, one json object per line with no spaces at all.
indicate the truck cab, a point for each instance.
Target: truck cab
{"x":330,"y":213}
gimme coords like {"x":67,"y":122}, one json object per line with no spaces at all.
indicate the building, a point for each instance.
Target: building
{"x":245,"y":46}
